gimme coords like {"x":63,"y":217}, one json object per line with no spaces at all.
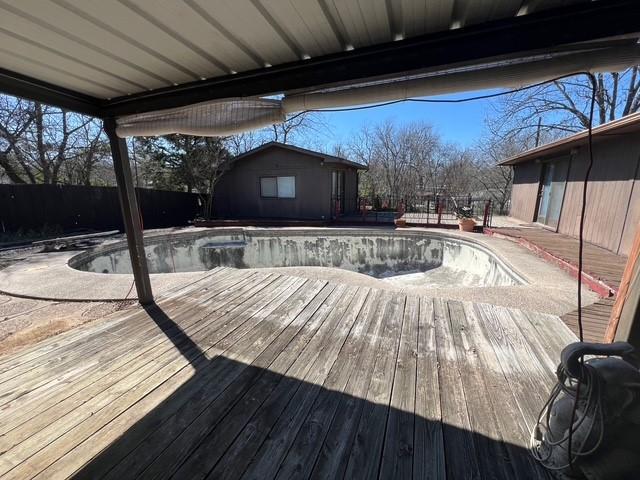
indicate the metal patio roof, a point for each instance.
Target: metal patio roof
{"x":120,"y":57}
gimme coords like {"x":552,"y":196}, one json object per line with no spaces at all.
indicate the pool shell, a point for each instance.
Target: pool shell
{"x":425,"y":258}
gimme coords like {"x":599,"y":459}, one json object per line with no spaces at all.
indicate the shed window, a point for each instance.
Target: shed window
{"x":268,"y":187}
{"x":278,"y":187}
{"x":286,"y":187}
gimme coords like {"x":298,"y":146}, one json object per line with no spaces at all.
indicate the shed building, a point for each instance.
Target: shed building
{"x":281,"y":181}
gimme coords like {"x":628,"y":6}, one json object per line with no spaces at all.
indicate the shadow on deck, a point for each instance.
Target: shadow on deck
{"x":267,"y":376}
{"x":233,"y":420}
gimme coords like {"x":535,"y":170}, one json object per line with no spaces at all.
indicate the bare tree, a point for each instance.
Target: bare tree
{"x":297,"y":125}
{"x":496,"y":180}
{"x":299,"y":128}
{"x":36,"y":140}
{"x":16,"y":117}
{"x":459,"y":174}
{"x":243,"y":142}
{"x":562,"y":106}
{"x":90,"y":158}
{"x":404,"y":161}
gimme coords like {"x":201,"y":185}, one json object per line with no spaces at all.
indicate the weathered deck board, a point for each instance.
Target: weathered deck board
{"x":364,"y":459}
{"x":92,"y":351}
{"x":488,"y":440}
{"x":132,"y":392}
{"x":510,"y":421}
{"x":45,"y":347}
{"x":599,"y":263}
{"x":334,"y":451}
{"x":77,"y":393}
{"x":595,"y":319}
{"x":158,"y":344}
{"x":397,"y":457}
{"x":246,"y":375}
{"x":300,"y":459}
{"x":428,"y":457}
{"x":461,"y":456}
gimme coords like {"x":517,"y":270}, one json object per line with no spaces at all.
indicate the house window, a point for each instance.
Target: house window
{"x":278,"y":187}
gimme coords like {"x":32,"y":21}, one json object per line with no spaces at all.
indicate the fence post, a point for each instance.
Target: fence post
{"x":487,"y":214}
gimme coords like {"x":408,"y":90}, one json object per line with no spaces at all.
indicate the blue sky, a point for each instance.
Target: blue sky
{"x":461,"y":123}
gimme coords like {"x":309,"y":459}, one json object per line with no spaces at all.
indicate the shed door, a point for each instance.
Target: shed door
{"x":552,"y":186}
{"x":337,"y":192}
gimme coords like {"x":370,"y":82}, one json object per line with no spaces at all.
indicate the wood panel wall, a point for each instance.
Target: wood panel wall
{"x":524,"y":194}
{"x":633,"y":216}
{"x":609,"y":193}
{"x":613,"y":195}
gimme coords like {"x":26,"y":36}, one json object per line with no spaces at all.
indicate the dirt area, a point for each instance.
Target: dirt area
{"x":24,"y":321}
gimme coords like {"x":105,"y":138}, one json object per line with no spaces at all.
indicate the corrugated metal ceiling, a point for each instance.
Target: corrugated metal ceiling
{"x":110,"y":48}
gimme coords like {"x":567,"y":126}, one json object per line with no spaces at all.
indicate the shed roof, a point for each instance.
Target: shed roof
{"x":322,"y":156}
{"x":622,"y":126}
{"x":124,"y":57}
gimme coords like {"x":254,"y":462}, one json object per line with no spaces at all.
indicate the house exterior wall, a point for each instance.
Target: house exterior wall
{"x":613,"y":194}
{"x":524,"y":194}
{"x":237,"y":194}
{"x":633,"y":217}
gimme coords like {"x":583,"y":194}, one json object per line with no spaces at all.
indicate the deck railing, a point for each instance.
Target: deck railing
{"x":425,"y":210}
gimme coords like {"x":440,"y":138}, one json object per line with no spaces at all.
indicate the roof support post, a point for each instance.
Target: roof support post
{"x":130,"y":212}
{"x":629,"y":323}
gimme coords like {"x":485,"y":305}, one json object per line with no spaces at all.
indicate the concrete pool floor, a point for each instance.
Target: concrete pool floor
{"x":549,"y":290}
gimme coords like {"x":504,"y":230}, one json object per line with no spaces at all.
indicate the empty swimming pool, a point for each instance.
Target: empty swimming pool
{"x":401,"y":257}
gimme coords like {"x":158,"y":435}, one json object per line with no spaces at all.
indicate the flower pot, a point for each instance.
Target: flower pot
{"x":401,"y":222}
{"x":466,"y":224}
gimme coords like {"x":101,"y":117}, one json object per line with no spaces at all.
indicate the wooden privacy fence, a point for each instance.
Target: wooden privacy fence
{"x":31,"y":207}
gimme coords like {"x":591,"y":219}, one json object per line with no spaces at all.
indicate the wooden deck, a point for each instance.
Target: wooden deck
{"x":260,"y":376}
{"x":595,"y":318}
{"x":598,"y":263}
{"x":602,"y":272}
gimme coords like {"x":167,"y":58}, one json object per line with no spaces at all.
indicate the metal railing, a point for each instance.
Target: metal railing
{"x":427,"y":210}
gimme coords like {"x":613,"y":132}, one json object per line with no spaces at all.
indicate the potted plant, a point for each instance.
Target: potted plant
{"x":466,"y":222}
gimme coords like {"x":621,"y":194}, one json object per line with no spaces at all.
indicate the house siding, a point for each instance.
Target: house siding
{"x":237,"y":194}
{"x":613,"y":200}
{"x":524,"y":194}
